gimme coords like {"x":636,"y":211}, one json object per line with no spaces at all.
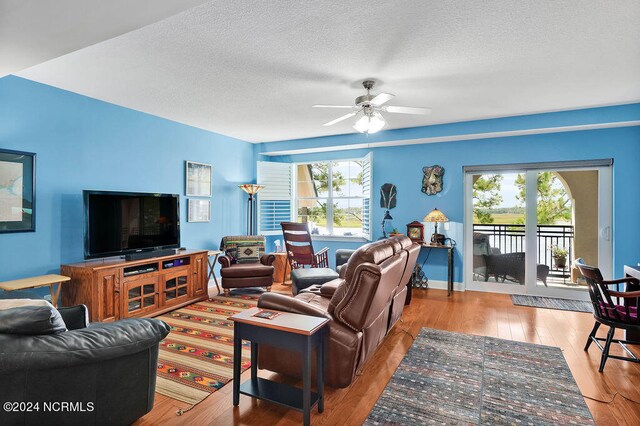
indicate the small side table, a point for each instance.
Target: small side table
{"x":294,"y":332}
{"x":450,"y":265}
{"x":212,"y":263}
{"x":35,"y":282}
{"x":281,"y":266}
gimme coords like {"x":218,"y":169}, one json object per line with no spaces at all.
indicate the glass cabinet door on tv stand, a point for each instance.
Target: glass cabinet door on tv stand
{"x":175,"y":287}
{"x":141,"y":296}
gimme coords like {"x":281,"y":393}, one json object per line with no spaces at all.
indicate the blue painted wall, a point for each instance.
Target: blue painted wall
{"x":587,"y":116}
{"x":402,"y":166}
{"x":82,"y":143}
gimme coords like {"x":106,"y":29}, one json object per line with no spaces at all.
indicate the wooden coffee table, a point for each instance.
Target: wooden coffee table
{"x":294,"y":332}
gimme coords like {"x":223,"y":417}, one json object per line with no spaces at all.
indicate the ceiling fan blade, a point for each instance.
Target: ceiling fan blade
{"x":407,"y":110}
{"x":339,"y":119}
{"x":333,"y":106}
{"x":381,"y":99}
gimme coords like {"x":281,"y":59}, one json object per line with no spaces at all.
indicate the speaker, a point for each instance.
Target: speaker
{"x":150,"y":254}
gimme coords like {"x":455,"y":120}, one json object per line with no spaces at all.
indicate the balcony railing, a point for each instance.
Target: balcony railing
{"x":510,"y":239}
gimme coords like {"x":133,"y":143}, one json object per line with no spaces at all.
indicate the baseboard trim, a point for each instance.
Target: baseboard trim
{"x":442,"y":285}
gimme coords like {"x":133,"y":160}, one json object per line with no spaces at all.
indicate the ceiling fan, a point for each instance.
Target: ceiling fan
{"x":369,"y":107}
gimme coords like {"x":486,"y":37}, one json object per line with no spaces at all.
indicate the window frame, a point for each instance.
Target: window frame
{"x":330,"y":198}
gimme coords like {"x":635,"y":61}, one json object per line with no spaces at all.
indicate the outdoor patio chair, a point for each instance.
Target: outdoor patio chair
{"x":489,"y":261}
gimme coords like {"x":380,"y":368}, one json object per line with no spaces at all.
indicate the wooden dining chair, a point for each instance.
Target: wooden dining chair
{"x":623,"y":313}
{"x":297,"y":241}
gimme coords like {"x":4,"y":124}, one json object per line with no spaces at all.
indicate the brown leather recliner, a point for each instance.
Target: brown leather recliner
{"x":363,"y":305}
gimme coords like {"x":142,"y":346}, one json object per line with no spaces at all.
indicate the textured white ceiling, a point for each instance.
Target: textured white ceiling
{"x":34,"y":31}
{"x":253,"y":69}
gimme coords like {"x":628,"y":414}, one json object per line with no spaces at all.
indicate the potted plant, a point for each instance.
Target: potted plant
{"x":559,"y":255}
{"x":395,"y":232}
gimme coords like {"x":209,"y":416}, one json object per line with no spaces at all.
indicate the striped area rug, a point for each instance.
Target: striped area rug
{"x":551,"y":303}
{"x":196,"y":358}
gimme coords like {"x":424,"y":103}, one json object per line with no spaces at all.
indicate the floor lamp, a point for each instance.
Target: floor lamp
{"x":251,"y":189}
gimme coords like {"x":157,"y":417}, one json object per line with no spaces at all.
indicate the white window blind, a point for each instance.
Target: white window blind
{"x":274,"y":201}
{"x":367,"y":182}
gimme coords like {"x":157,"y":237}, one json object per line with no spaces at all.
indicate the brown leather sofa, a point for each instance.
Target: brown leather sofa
{"x":363,"y":305}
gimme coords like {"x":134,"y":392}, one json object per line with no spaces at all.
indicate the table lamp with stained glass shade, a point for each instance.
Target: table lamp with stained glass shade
{"x":251,"y":189}
{"x":436,"y":216}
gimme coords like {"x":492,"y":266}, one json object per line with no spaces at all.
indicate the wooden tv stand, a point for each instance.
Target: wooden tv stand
{"x":114,"y":288}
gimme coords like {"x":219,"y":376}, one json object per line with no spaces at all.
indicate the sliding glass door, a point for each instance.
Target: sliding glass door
{"x":526,"y":224}
{"x":499,"y":231}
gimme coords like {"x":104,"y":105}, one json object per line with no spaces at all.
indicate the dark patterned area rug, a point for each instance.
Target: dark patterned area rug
{"x":453,"y":378}
{"x":551,"y":303}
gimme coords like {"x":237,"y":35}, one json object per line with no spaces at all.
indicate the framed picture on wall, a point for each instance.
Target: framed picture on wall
{"x":199,"y":210}
{"x":198,"y":179}
{"x":17,"y":191}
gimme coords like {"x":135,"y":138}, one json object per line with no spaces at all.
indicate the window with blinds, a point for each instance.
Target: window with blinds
{"x":274,"y":201}
{"x":333,"y":197}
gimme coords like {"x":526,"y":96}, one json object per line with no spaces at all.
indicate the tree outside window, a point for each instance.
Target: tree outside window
{"x":331,"y":197}
{"x":490,"y":206}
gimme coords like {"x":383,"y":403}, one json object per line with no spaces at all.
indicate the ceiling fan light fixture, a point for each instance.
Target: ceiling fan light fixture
{"x":376,"y":123}
{"x":368,"y":108}
{"x":370,"y":123}
{"x":362,"y":125}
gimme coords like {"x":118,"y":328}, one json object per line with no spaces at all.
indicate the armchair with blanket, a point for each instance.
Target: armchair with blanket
{"x":244,"y":263}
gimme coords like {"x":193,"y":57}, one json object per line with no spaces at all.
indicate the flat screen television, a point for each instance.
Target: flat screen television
{"x":121,"y":223}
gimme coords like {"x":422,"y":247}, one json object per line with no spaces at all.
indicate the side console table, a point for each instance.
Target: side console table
{"x":449,"y":249}
{"x":294,"y":332}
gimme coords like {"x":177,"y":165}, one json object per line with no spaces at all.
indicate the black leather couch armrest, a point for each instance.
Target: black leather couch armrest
{"x":98,"y":342}
{"x":75,"y":317}
{"x":283,"y":303}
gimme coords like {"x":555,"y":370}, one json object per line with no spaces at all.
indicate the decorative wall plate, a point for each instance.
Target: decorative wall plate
{"x":432,"y":179}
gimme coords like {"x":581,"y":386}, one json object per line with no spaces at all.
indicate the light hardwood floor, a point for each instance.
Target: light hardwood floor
{"x":471,"y":312}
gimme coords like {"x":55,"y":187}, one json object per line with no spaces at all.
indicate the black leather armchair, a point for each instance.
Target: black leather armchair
{"x":110,"y":365}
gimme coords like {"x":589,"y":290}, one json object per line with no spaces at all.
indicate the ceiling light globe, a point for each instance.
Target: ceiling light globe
{"x":370,"y":123}
{"x":362,"y":125}
{"x":376,"y":123}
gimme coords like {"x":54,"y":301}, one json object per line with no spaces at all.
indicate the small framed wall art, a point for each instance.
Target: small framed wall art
{"x":199,"y":210}
{"x":198,"y":179}
{"x":17,"y":191}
